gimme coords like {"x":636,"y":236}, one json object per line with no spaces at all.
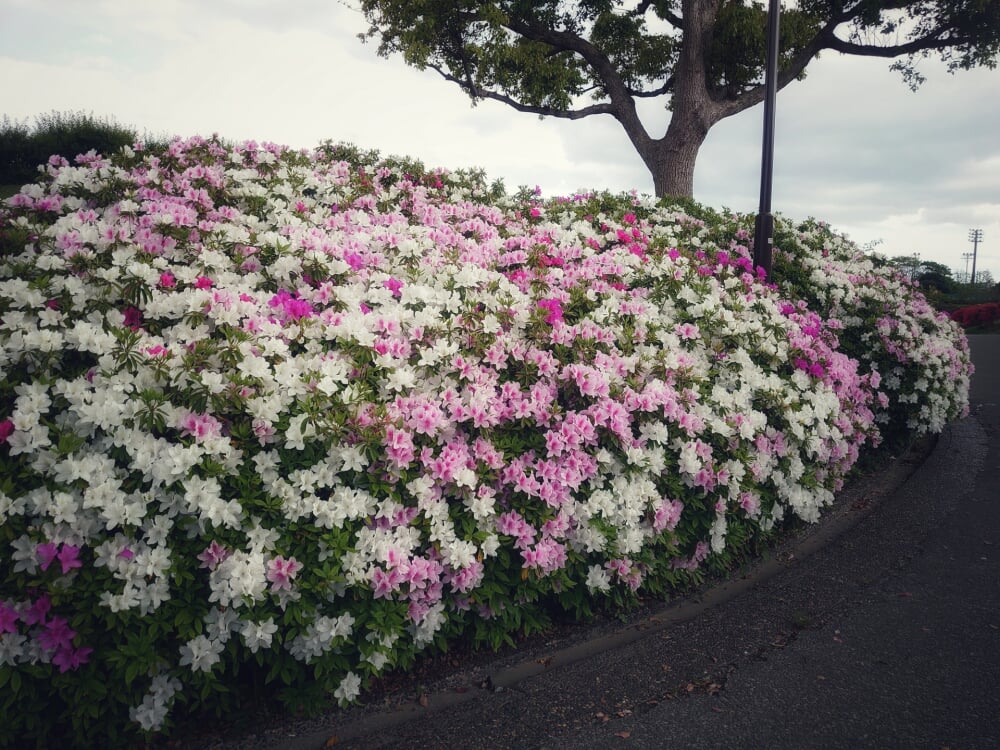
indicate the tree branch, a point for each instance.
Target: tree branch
{"x":666,"y":88}
{"x":676,"y":21}
{"x":825,"y":38}
{"x":479,"y":93}
{"x":795,"y":67}
{"x":930,"y":41}
{"x":621,"y":106}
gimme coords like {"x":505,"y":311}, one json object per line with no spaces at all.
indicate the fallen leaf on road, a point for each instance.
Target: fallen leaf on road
{"x":335,"y":740}
{"x":623,"y":735}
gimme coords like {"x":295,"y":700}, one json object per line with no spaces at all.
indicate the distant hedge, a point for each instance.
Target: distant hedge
{"x":23,"y":147}
{"x":973,"y":316}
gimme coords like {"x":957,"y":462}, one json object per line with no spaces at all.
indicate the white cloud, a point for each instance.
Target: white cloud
{"x":854,"y":146}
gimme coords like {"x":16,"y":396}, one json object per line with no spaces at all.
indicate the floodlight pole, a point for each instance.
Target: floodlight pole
{"x":763,"y":235}
{"x":975,"y":237}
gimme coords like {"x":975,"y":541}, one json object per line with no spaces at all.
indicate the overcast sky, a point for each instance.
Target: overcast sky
{"x":854,"y":146}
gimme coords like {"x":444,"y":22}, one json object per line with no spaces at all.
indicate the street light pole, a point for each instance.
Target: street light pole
{"x":763,"y":235}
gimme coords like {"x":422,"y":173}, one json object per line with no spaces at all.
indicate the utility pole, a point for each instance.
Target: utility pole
{"x":975,"y":237}
{"x":967,"y":257}
{"x":763,"y":233}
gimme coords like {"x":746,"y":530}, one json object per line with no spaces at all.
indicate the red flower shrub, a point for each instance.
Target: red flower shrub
{"x":977,"y":315}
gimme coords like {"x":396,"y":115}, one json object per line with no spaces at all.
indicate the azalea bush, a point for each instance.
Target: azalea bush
{"x":917,"y":358}
{"x":281,"y":419}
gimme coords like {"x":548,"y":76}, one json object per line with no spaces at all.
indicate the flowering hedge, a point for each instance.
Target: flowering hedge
{"x":876,"y":316}
{"x":287,"y":418}
{"x":974,"y":316}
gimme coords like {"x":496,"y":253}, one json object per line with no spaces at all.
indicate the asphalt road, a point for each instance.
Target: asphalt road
{"x":879,"y":629}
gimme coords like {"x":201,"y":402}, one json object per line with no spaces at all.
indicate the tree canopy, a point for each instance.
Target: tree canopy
{"x":706,"y":58}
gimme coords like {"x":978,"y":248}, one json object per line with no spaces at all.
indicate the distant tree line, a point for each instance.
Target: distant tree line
{"x":24,"y":146}
{"x":946,"y":288}
{"x":937,"y":275}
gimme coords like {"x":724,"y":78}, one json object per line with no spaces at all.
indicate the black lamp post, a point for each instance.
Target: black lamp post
{"x":763,"y":236}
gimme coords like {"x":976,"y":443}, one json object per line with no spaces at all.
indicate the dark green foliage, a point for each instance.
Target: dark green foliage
{"x":23,"y":148}
{"x":15,"y":143}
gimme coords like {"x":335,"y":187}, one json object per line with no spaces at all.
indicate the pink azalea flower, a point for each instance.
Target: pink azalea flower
{"x":554,"y":308}
{"x":468,"y":578}
{"x":668,"y":513}
{"x":70,"y":658}
{"x":133,"y":318}
{"x":354,"y":260}
{"x":749,"y":502}
{"x":203,"y":282}
{"x":6,"y":430}
{"x":69,"y":558}
{"x":46,"y":552}
{"x":213,"y":554}
{"x":8,"y":618}
{"x":384,"y":583}
{"x":293,"y":308}
{"x":687,"y":331}
{"x":399,"y":446}
{"x":395,"y":286}
{"x":201,"y":426}
{"x":57,"y":634}
{"x":264,"y":430}
{"x":281,"y":571}
{"x":35,"y":614}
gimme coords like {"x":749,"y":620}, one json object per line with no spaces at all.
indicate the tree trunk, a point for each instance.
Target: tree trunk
{"x":671,"y":159}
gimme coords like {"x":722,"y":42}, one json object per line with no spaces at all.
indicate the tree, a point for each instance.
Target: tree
{"x":706,"y":57}
{"x":928,"y":272}
{"x":984,"y":278}
{"x":936,"y":276}
{"x":908,"y":265}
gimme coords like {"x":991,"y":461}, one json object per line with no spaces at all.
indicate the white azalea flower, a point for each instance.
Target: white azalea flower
{"x":201,"y":653}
